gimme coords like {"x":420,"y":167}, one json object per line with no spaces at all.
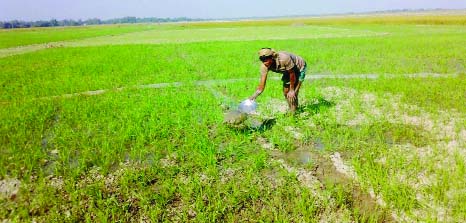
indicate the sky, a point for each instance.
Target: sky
{"x":32,"y":10}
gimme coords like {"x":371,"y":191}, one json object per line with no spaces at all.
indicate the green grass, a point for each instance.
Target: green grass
{"x":457,"y":18}
{"x":164,"y":154}
{"x":430,"y":93}
{"x":22,"y":37}
{"x":68,"y":70}
{"x":153,"y":124}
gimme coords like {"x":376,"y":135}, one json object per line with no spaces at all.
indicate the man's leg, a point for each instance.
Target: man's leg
{"x":300,"y":78}
{"x":298,"y":86}
{"x":302,"y":75}
{"x":296,"y":90}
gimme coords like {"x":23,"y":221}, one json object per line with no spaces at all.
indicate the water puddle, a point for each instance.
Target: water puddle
{"x":341,"y":187}
{"x":318,"y":144}
{"x":298,"y":157}
{"x":247,"y":122}
{"x":354,"y":196}
{"x":234,"y":117}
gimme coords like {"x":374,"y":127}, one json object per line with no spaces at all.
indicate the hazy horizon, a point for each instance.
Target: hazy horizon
{"x":28,"y":10}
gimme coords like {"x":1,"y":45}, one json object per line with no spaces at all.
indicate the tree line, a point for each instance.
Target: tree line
{"x":70,"y":22}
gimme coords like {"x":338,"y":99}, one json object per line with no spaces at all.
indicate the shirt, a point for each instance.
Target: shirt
{"x":285,"y":61}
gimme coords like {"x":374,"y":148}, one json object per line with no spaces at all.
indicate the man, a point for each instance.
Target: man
{"x":292,"y":67}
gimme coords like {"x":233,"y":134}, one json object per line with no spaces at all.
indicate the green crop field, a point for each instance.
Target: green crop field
{"x":13,"y":38}
{"x":126,"y":123}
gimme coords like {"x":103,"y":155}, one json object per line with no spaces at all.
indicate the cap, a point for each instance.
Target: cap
{"x":266,"y":52}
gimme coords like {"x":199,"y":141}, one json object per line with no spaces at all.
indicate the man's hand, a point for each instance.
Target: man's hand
{"x":291,"y":96}
{"x":254,"y":96}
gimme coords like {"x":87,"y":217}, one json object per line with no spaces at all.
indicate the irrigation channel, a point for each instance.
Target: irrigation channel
{"x":310,"y":77}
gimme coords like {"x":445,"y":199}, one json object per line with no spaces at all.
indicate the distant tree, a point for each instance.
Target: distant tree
{"x":53,"y":22}
{"x":42,"y":23}
{"x":94,"y":21}
{"x":68,"y":22}
{"x":7,"y":25}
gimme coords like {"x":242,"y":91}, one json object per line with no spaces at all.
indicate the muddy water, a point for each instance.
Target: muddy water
{"x":243,"y":121}
{"x":234,"y":117}
{"x":357,"y":198}
{"x":318,"y":144}
{"x":313,"y":157}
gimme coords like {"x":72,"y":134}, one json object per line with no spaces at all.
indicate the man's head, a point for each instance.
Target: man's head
{"x":266,"y":55}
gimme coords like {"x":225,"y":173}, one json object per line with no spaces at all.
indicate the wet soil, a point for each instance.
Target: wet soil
{"x":247,"y":122}
{"x":356,"y":197}
{"x":365,"y":207}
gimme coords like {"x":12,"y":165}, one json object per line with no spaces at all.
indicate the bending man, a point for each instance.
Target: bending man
{"x":292,"y":67}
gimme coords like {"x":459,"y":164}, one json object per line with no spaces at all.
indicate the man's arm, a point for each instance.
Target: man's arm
{"x":261,"y":87}
{"x":291,"y":93}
